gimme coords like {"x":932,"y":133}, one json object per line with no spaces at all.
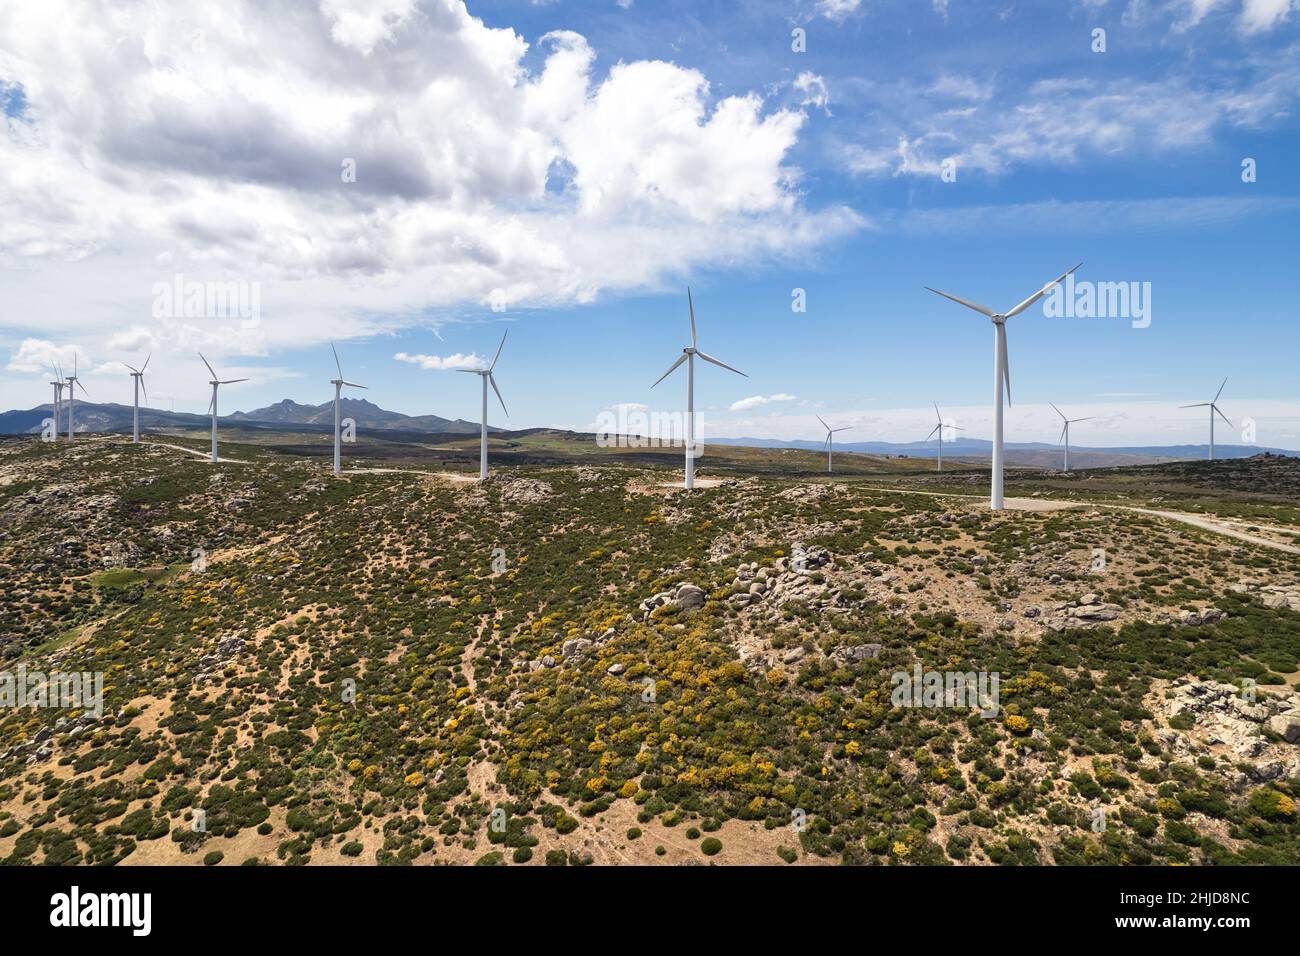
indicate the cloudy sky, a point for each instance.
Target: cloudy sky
{"x":412,"y":178}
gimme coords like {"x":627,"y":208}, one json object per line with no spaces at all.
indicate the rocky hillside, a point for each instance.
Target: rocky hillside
{"x":564,"y":666}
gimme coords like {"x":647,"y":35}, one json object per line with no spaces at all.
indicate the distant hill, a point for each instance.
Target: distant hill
{"x":111,"y":417}
{"x":288,"y":415}
{"x":1024,"y":454}
{"x":365,"y":413}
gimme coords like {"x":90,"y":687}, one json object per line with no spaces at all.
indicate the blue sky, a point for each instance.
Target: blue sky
{"x":679,"y":143}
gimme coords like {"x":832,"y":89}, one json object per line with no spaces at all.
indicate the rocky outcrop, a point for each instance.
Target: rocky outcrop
{"x":1270,"y":595}
{"x":853,"y":654}
{"x":1088,"y":611}
{"x":684,"y":597}
{"x":1224,"y":715}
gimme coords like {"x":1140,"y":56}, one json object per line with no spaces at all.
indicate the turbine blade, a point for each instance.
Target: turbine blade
{"x":1088,"y":419}
{"x":82,"y":387}
{"x":132,"y":368}
{"x":493,"y":382}
{"x":1006,"y":364}
{"x":842,"y":428}
{"x":1062,"y":436}
{"x":937,"y":413}
{"x":1220,"y":391}
{"x":146,"y":362}
{"x":208,"y":364}
{"x":143,"y":389}
{"x":495,"y":357}
{"x":212,"y":405}
{"x":1197,"y":405}
{"x":337,"y":364}
{"x":1223,"y":416}
{"x":672,"y":368}
{"x":984,"y":309}
{"x":933,"y":430}
{"x":355,"y":385}
{"x":823,"y":421}
{"x":691,"y":302}
{"x":1040,"y":293}
{"x":232,"y":381}
{"x":709,"y":358}
{"x":1057,"y":410}
{"x":471,"y":371}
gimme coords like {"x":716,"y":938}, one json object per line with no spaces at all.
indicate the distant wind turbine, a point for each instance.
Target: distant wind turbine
{"x":688,"y":356}
{"x":215,"y":383}
{"x":73,"y":384}
{"x":938,"y":430}
{"x":1214,"y":410}
{"x":338,"y":384}
{"x":58,"y":395}
{"x":138,"y":375}
{"x":1065,"y":431}
{"x":486,"y":375}
{"x":830,"y":440}
{"x":1001,"y":371}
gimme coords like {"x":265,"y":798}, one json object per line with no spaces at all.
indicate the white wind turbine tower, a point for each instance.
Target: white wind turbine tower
{"x":1065,"y":431}
{"x":486,"y":375}
{"x":73,"y":384}
{"x":338,"y":384}
{"x":1001,"y":372}
{"x":138,"y":375}
{"x":938,"y":430}
{"x":215,"y":383}
{"x":1214,"y":410}
{"x":688,"y":356}
{"x":830,"y":440}
{"x":58,"y":395}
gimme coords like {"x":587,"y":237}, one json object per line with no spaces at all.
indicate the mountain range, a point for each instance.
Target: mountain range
{"x":111,"y":417}
{"x":1025,"y":454}
{"x":288,"y":415}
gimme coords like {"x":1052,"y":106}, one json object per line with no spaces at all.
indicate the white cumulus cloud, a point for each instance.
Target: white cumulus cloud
{"x":372,"y":166}
{"x":754,"y":401}
{"x":439,"y":363}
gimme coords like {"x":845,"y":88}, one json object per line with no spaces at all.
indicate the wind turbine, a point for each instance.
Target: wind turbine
{"x":138,"y":375}
{"x":1214,"y":409}
{"x":338,"y":384}
{"x":688,"y":356}
{"x":486,"y":375}
{"x":73,"y":384}
{"x":1001,"y":373}
{"x":1065,"y":431}
{"x":215,"y":382}
{"x":58,"y":395}
{"x":938,"y":429}
{"x":830,"y":433}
